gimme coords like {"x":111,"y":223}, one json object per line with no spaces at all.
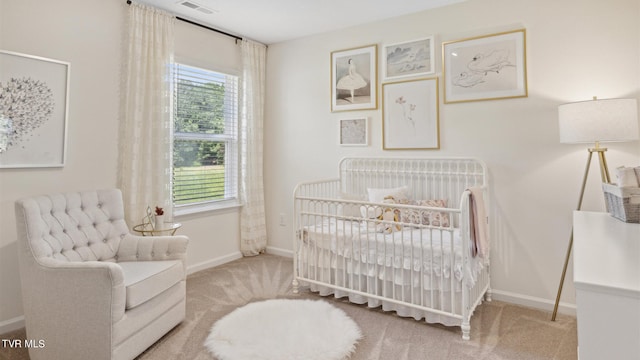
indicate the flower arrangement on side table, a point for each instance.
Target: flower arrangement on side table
{"x":159,"y":218}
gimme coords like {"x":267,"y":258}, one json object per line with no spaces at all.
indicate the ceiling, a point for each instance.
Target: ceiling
{"x":273,"y":21}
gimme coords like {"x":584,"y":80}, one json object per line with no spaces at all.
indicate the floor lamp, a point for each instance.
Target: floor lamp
{"x":595,"y":121}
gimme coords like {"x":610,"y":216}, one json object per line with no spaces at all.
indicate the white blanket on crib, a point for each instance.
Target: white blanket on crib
{"x":419,"y":249}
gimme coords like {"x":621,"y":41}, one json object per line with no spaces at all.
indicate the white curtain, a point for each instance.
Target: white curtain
{"x":144,"y":163}
{"x":253,"y":229}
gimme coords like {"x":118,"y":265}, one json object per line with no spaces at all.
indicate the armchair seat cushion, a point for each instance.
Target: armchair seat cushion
{"x":144,"y":280}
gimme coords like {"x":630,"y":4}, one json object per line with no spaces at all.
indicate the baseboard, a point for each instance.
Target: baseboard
{"x":280,"y":252}
{"x":213,"y":262}
{"x":533,"y":302}
{"x":11,"y":324}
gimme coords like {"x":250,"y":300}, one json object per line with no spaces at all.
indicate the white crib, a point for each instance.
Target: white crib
{"x":422,"y":269}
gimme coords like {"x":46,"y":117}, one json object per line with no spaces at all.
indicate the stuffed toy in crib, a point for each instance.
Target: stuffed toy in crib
{"x":389,"y":214}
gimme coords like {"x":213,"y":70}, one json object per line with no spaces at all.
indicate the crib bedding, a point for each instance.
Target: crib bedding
{"x":425,"y":250}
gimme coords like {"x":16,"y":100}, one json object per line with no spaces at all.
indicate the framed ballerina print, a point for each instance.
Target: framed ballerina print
{"x":354,"y":82}
{"x":485,"y":67}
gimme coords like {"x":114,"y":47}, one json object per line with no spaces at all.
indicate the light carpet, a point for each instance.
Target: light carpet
{"x":284,"y":329}
{"x":500,"y":331}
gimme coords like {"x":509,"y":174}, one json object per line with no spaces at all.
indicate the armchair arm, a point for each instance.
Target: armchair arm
{"x":153,"y":248}
{"x":92,"y":291}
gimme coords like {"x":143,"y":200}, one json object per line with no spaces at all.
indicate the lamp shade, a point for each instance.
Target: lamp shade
{"x":606,"y":120}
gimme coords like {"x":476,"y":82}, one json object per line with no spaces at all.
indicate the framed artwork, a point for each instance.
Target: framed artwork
{"x":485,"y":67}
{"x":354,"y":132}
{"x":33,"y":110}
{"x":410,"y":115}
{"x":354,"y":79}
{"x":410,"y":58}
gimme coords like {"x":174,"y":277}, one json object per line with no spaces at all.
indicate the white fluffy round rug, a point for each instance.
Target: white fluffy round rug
{"x":284,"y":329}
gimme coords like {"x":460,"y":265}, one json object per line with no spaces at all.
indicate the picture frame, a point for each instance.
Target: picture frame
{"x":354,"y":132}
{"x":410,"y":115}
{"x":354,"y":82}
{"x":487,"y":67}
{"x":33,"y":111}
{"x":412,"y":58}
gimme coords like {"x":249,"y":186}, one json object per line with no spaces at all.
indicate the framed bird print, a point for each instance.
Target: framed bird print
{"x":354,"y":81}
{"x":486,"y":67}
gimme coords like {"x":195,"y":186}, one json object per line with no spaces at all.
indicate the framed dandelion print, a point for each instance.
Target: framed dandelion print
{"x":34,"y":96}
{"x":410,"y":115}
{"x":486,"y":67}
{"x":354,"y":80}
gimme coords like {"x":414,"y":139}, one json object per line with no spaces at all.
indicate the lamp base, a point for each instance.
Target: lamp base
{"x":604,"y":169}
{"x":604,"y":174}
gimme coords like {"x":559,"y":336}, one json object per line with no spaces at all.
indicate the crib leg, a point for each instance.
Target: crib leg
{"x":466,"y":329}
{"x":296,"y":286}
{"x":487,"y":295}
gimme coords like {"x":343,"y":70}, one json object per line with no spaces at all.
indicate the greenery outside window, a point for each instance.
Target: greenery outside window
{"x":205,"y":139}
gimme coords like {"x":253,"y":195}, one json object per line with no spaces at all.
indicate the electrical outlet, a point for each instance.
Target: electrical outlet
{"x":283,"y":219}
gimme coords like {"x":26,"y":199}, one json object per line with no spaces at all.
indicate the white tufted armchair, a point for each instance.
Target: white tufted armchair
{"x":90,"y":289}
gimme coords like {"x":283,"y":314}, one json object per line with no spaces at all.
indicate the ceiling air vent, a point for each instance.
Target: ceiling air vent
{"x":195,"y":6}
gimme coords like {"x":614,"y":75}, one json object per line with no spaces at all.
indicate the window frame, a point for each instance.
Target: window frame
{"x":231,"y":140}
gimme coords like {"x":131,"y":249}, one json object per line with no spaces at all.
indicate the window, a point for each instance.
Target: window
{"x":205,"y":139}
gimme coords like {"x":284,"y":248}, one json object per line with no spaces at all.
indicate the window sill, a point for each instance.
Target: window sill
{"x":205,"y":208}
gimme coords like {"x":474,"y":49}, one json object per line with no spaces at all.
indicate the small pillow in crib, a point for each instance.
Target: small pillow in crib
{"x":426,"y":217}
{"x":378,"y":195}
{"x":348,"y":209}
{"x":386,"y":214}
{"x":370,"y":212}
{"x":376,"y":212}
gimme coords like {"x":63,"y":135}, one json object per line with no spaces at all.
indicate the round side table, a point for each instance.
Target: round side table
{"x":148,"y":230}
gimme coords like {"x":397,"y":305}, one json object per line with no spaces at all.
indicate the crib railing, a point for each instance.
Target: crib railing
{"x":354,"y":262}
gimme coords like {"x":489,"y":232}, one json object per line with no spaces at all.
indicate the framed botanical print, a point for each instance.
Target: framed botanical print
{"x":410,"y":115}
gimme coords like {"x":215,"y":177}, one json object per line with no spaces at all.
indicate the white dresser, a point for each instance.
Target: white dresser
{"x":606,"y":275}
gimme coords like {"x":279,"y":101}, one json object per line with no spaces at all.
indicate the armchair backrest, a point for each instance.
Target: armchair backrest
{"x":78,"y":226}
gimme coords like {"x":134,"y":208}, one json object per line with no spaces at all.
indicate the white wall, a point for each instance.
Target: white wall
{"x":575,"y":49}
{"x":87,"y":33}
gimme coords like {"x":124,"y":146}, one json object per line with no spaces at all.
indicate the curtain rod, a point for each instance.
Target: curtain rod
{"x":204,"y":26}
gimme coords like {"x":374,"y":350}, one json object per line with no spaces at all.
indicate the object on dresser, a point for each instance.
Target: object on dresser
{"x":628,"y":176}
{"x":623,"y":203}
